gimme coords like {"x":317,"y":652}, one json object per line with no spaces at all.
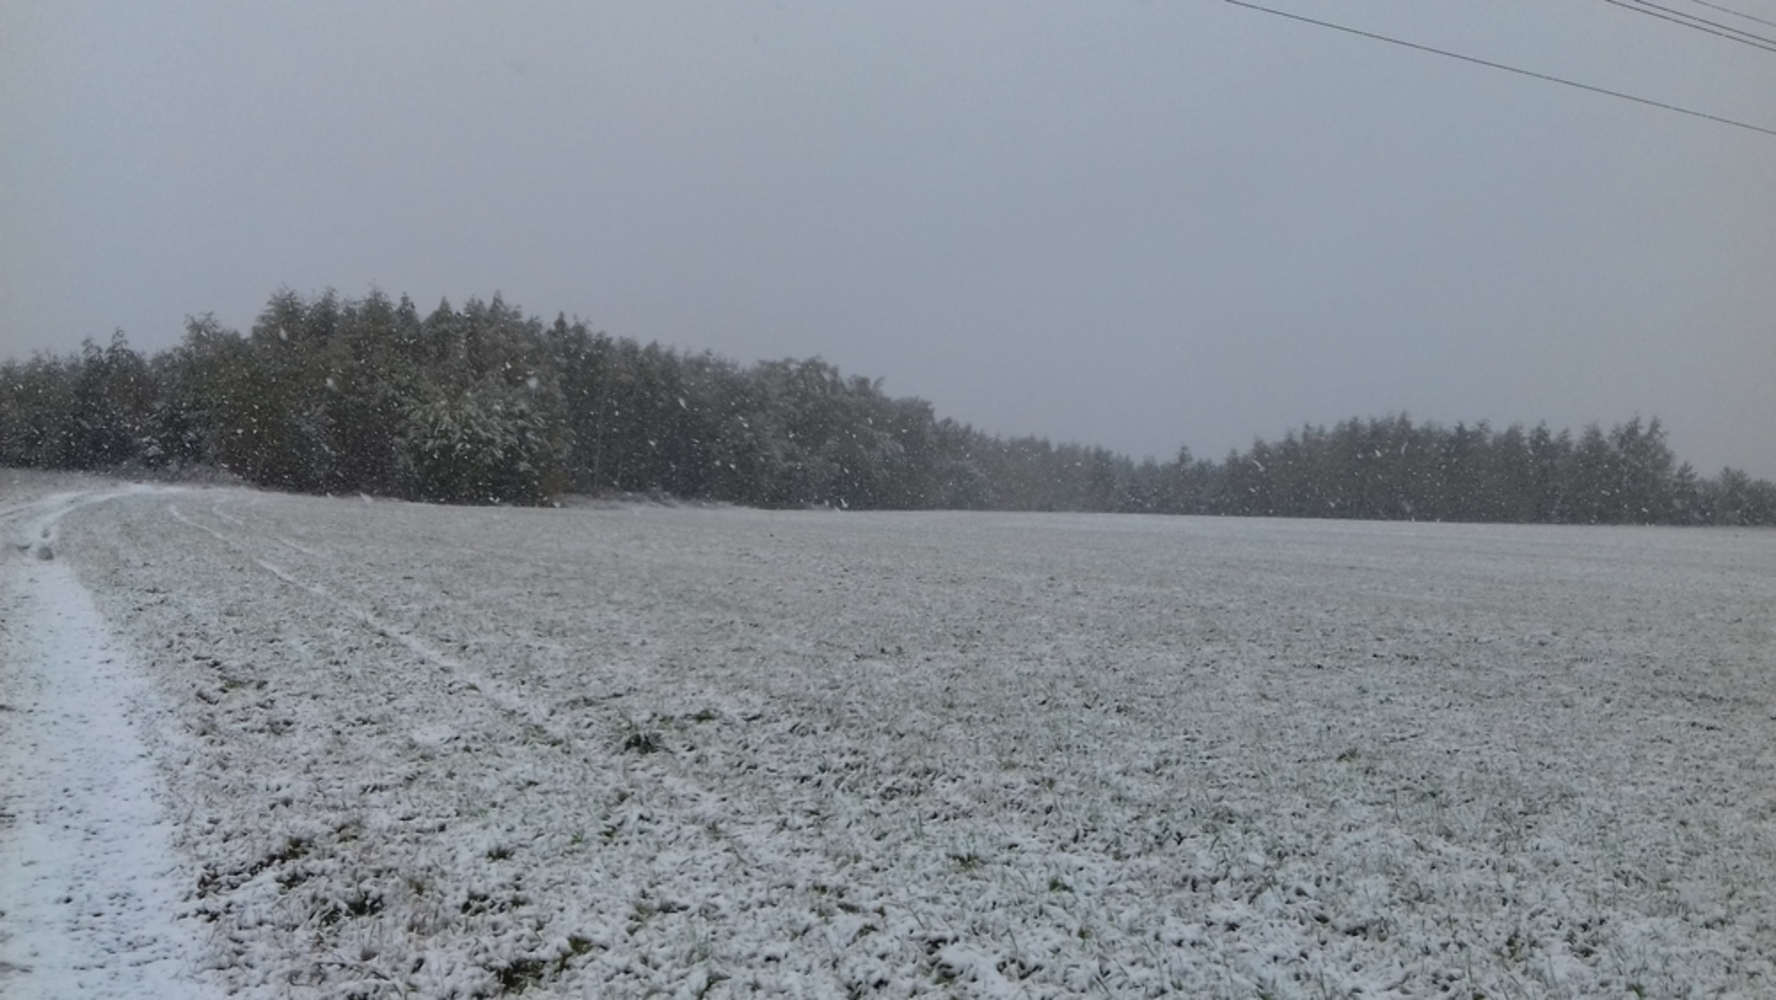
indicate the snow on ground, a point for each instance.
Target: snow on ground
{"x":421,"y":751}
{"x":90,"y":886}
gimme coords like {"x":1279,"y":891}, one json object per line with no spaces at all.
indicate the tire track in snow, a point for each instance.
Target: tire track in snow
{"x":701,"y":799}
{"x":496,"y":692}
{"x":90,"y":883}
{"x":38,"y":536}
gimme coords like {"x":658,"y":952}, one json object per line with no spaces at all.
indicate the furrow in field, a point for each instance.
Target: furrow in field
{"x":470,"y":680}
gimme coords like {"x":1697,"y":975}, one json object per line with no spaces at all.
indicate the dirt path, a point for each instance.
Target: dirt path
{"x":90,"y":885}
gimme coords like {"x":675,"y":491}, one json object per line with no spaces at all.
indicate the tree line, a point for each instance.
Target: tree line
{"x":484,"y":404}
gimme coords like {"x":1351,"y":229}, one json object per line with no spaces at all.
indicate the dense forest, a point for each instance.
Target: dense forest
{"x":485,"y":405}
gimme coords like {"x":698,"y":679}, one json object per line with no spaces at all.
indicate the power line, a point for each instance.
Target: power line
{"x":1735,"y":13}
{"x":1715,"y":28}
{"x":1509,"y":69}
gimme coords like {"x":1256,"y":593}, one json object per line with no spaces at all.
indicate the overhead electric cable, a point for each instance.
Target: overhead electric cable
{"x":1697,"y":23}
{"x":1509,"y":69}
{"x":1735,"y":13}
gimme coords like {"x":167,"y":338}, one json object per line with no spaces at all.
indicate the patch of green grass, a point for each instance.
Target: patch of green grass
{"x":968,"y":860}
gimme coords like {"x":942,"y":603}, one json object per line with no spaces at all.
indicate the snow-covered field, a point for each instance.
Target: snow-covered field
{"x":401,"y":750}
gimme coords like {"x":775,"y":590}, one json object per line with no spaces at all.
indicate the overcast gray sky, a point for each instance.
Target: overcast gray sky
{"x":1132,"y":224}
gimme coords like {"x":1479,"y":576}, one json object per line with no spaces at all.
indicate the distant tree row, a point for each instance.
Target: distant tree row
{"x":485,"y":405}
{"x":1395,"y":470}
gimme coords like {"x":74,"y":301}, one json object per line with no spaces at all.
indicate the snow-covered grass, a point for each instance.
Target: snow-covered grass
{"x":89,"y":882}
{"x":425,"y":751}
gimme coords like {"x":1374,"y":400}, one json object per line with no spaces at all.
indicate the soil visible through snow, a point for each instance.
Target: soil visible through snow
{"x":278,"y":746}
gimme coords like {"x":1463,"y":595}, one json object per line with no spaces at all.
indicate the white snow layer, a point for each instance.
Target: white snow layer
{"x":430,"y":752}
{"x":90,"y":886}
